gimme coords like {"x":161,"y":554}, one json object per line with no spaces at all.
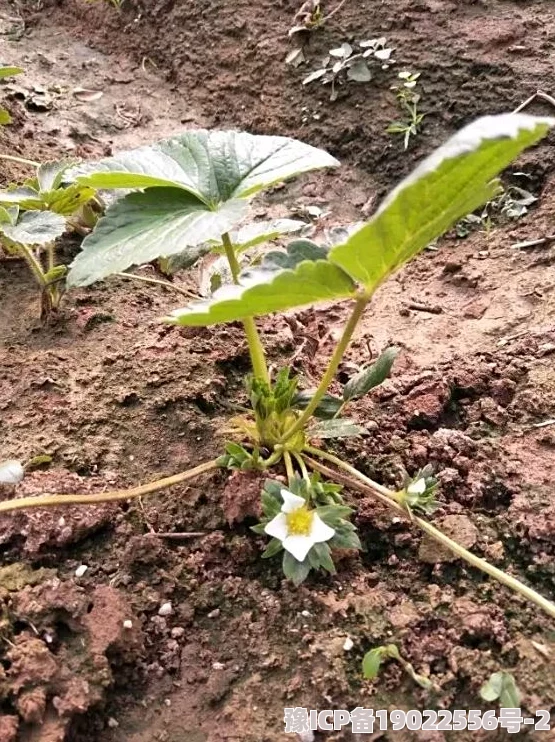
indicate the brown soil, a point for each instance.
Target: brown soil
{"x":115,"y":398}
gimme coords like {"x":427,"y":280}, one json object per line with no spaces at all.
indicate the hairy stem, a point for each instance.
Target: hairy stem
{"x":55,"y":500}
{"x":333,"y":365}
{"x":256,"y":350}
{"x":367,"y":486}
{"x":21,"y":160}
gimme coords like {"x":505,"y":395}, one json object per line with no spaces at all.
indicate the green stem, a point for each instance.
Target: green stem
{"x":366,"y":485}
{"x":51,"y":253}
{"x":302,"y":466}
{"x":256,"y":350}
{"x":33,"y":263}
{"x":145,"y":489}
{"x":333,"y":365}
{"x":288,"y":465}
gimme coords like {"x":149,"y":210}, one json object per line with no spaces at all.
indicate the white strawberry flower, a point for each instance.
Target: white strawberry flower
{"x":297,"y":527}
{"x":417,"y":487}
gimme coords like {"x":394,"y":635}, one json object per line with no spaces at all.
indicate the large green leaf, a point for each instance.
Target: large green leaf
{"x":143,"y":226}
{"x":456,"y":179}
{"x":215,"y":166}
{"x":35,"y":228}
{"x":265,"y":291}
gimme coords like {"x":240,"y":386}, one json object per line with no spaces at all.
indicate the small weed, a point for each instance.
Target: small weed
{"x":373,"y":660}
{"x":408,"y":100}
{"x":344,"y":63}
{"x":501,"y":687}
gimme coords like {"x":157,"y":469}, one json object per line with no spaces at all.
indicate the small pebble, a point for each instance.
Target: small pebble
{"x":167,"y":702}
{"x":349,"y":644}
{"x":165,"y":609}
{"x":214,"y":614}
{"x":128,"y":624}
{"x":218,"y":666}
{"x":113,"y":723}
{"x":306,"y":613}
{"x":80,"y":571}
{"x":177,"y":632}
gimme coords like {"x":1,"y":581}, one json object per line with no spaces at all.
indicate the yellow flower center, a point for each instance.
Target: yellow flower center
{"x":299,"y":522}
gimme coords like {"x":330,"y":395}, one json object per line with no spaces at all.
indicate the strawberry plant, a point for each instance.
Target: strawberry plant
{"x":189,"y":196}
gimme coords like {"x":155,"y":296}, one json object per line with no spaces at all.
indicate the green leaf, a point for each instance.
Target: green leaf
{"x":295,"y":571}
{"x":144,"y":226}
{"x":215,"y":166}
{"x":264,"y":291}
{"x":50,"y":175}
{"x":35,"y":228}
{"x":297,"y":251}
{"x":456,"y":179}
{"x":332,"y":514}
{"x":271,"y":506}
{"x":339,"y":428}
{"x":55,"y":274}
{"x":5,"y":117}
{"x":327,"y":408}
{"x":501,"y":685}
{"x":372,"y":662}
{"x":25,"y":197}
{"x":345,"y":539}
{"x":258,"y":233}
{"x":370,"y":377}
{"x":273,"y":548}
{"x":323,"y":554}
{"x":8,"y":71}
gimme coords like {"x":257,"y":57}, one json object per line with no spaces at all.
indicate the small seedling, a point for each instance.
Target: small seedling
{"x":501,"y":687}
{"x":32,"y":235}
{"x":373,"y":660}
{"x":7,"y":71}
{"x":512,"y":204}
{"x":408,"y":100}
{"x":344,"y":63}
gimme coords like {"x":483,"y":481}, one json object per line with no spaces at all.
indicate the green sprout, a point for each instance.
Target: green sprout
{"x":373,"y":661}
{"x":501,"y":686}
{"x":35,"y":214}
{"x":189,"y":196}
{"x":408,"y":100}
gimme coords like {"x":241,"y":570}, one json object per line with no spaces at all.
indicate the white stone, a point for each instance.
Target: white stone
{"x":80,"y":571}
{"x":128,"y":624}
{"x":349,"y":644}
{"x":165,"y":609}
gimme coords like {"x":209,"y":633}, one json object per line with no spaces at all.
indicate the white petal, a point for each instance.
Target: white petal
{"x":320,"y":531}
{"x":277,"y":527}
{"x":298,"y":546}
{"x":11,"y":472}
{"x":291,"y":502}
{"x":418,"y":487}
